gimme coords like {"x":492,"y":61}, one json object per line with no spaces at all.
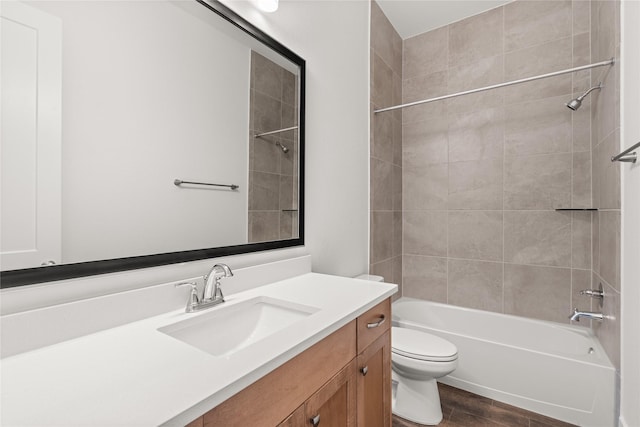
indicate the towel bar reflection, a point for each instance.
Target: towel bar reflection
{"x":627,"y":155}
{"x":179,"y":182}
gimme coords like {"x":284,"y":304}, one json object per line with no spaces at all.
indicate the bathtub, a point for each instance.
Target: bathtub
{"x":560,"y":371}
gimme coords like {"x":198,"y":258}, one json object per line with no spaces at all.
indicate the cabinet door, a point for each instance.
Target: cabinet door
{"x":297,"y":419}
{"x":374,"y":383}
{"x":334,"y":405}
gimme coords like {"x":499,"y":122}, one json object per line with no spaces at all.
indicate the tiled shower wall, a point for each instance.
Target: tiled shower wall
{"x":273,"y":192}
{"x":605,"y":139}
{"x":386,"y":150}
{"x":483,"y":174}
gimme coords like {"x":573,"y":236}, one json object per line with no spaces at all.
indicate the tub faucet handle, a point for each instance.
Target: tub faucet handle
{"x":593,"y":293}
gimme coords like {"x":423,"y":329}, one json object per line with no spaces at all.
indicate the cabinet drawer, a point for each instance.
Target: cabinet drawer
{"x":373,"y":324}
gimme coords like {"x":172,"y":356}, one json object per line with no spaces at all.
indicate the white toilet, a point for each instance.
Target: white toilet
{"x":417,"y":359}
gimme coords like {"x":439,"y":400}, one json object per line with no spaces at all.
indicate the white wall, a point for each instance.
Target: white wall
{"x":630,"y":334}
{"x":143,"y":104}
{"x":333,"y":38}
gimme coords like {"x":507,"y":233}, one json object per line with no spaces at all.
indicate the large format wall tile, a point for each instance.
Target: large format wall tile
{"x":384,"y":40}
{"x":476,"y":135}
{"x":266,"y":113}
{"x":382,"y":91}
{"x":425,"y":278}
{"x":477,"y":37}
{"x":266,"y":76}
{"x":383,"y":138}
{"x":552,"y":56}
{"x":485,"y":72}
{"x":476,"y":184}
{"x":538,"y":182}
{"x":610,"y":247}
{"x":381,"y":236}
{"x":425,"y":233}
{"x":581,"y":280}
{"x":475,"y":235}
{"x":475,"y":284}
{"x":581,"y":240}
{"x":537,"y":237}
{"x":381,"y":185}
{"x":581,"y":180}
{"x":425,"y":142}
{"x":538,"y":127}
{"x":537,"y":292}
{"x":606,"y":174}
{"x":608,"y":331}
{"x":264,"y":226}
{"x":528,"y":23}
{"x":425,"y":188}
{"x":420,"y":88}
{"x":426,"y":53}
{"x":581,"y":16}
{"x":265,"y":192}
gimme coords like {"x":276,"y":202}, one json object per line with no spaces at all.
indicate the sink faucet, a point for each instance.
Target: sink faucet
{"x":588,"y":314}
{"x":212,"y":293}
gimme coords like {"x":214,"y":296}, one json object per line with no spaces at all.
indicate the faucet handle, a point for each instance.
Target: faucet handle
{"x":593,"y":293}
{"x":193,"y":301}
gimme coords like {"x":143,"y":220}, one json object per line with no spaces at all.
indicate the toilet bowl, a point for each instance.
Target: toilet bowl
{"x":417,"y":360}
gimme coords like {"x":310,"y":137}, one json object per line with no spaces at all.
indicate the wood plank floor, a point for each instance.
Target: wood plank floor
{"x":463,"y":409}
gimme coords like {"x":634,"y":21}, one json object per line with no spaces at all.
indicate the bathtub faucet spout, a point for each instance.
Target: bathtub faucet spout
{"x":587,"y":314}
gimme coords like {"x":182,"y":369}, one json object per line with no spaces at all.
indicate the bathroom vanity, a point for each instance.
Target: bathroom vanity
{"x":283,"y":353}
{"x":342,"y":380}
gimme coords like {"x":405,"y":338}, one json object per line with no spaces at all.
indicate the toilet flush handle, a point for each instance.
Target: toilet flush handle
{"x":376,"y":324}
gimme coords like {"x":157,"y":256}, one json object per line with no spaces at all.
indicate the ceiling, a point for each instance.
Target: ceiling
{"x":413,"y":17}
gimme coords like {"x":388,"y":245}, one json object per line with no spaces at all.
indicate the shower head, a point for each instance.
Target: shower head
{"x":282,"y":147}
{"x":575,"y":103}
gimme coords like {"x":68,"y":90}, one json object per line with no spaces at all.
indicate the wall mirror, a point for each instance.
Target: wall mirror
{"x":143,"y":133}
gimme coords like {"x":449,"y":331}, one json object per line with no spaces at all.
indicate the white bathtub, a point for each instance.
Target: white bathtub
{"x":560,"y":371}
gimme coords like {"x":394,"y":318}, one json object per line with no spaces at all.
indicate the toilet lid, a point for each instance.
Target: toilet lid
{"x":421,"y":345}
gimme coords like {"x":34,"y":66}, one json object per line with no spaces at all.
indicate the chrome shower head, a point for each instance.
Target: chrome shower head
{"x":575,"y":103}
{"x":283,"y":148}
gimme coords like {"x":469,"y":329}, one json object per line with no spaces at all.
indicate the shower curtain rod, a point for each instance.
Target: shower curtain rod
{"x":496,"y":86}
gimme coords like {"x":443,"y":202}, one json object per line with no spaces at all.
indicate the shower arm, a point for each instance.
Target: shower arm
{"x":581,"y":97}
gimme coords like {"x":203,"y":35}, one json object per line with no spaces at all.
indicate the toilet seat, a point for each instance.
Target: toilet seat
{"x":421,"y":345}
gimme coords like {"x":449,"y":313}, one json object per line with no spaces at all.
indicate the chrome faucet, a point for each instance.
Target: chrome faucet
{"x":212,"y":292}
{"x":587,"y":314}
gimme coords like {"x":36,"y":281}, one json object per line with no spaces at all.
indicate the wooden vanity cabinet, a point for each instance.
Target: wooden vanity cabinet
{"x":335,"y":403}
{"x":374,"y":367}
{"x":342,"y":381}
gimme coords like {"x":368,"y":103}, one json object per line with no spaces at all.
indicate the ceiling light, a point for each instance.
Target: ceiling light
{"x":267,"y":5}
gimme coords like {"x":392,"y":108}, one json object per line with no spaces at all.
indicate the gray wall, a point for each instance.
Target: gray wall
{"x":385,"y":150}
{"x":605,"y":139}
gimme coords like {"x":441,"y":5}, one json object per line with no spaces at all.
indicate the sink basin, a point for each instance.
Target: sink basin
{"x":226,"y":330}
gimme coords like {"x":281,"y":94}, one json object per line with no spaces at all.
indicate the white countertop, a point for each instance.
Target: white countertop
{"x":134,"y":375}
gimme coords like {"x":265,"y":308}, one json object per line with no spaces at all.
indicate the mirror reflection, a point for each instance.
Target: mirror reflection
{"x":107,"y":106}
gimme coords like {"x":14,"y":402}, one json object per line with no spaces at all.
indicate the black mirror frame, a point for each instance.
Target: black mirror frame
{"x":28,"y":276}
